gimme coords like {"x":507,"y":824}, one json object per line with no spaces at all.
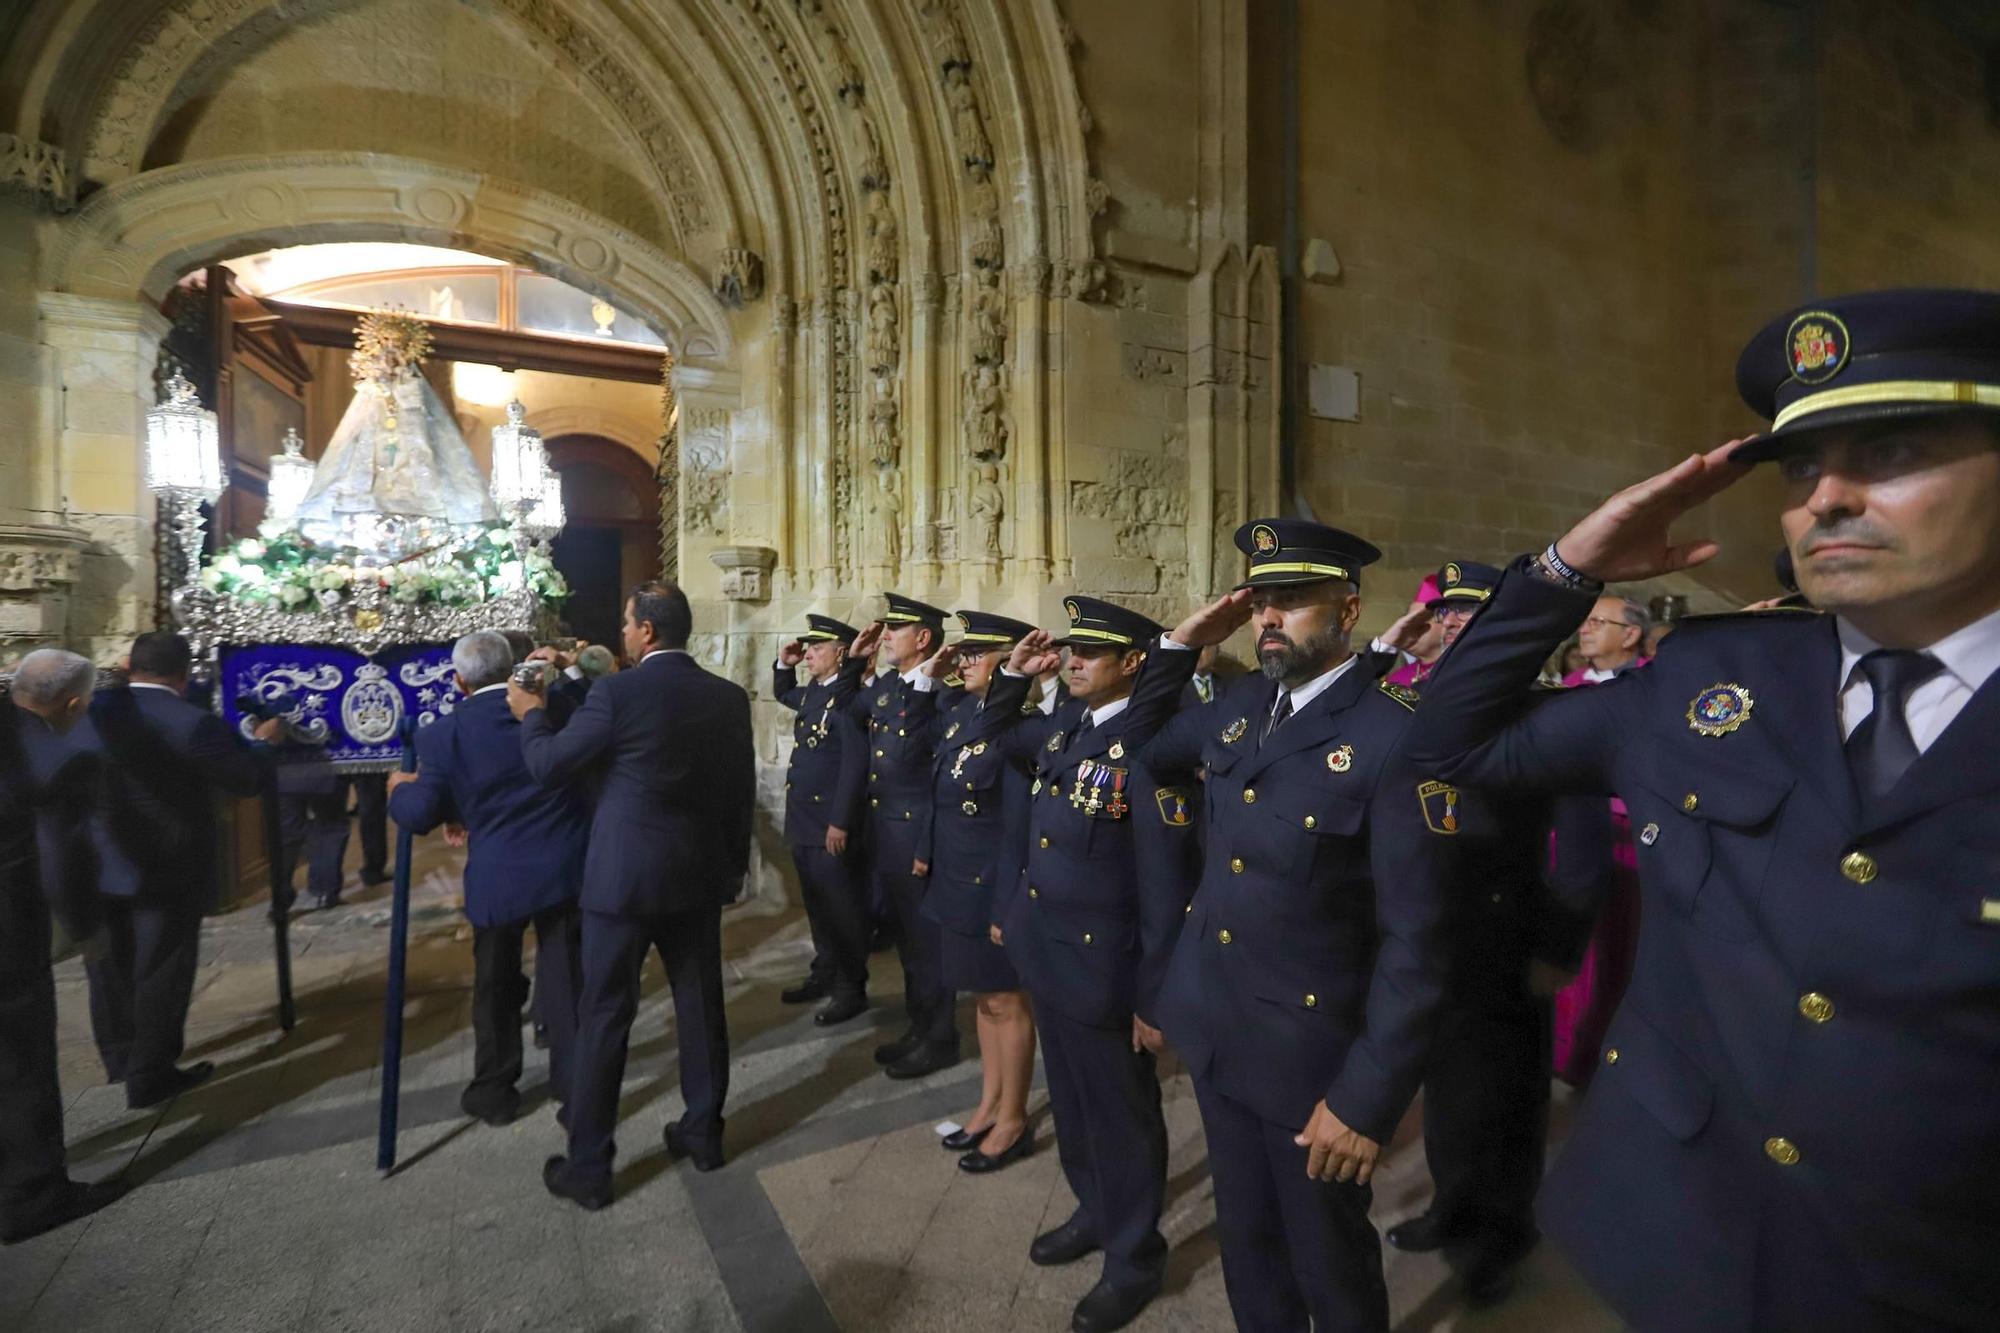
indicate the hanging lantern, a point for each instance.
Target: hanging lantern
{"x":183,"y":453}
{"x":520,"y":464}
{"x":291,"y":478}
{"x":547,"y":517}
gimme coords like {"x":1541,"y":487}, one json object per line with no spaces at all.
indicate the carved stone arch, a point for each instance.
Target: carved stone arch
{"x":571,"y":422}
{"x":135,"y":239}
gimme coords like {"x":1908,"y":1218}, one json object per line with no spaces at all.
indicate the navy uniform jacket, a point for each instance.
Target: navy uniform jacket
{"x":50,"y":786}
{"x":670,"y":747}
{"x":896,"y":719}
{"x":1313,"y":960}
{"x":975,"y":793}
{"x":1091,"y":916}
{"x":167,"y":762}
{"x":526,"y":842}
{"x":1810,"y":1046}
{"x":829,"y":756}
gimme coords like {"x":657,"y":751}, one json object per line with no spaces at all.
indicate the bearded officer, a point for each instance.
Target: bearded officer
{"x":1311,"y":962}
{"x":1793,"y":1124}
{"x":829,"y":767}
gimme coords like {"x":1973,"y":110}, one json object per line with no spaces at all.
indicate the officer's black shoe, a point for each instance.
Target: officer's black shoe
{"x":172,"y":1085}
{"x":890,"y":1052}
{"x":843,"y":1007}
{"x":560,"y":1181}
{"x":495,"y":1108}
{"x":1422,"y":1234}
{"x":705,"y":1156}
{"x":923,"y":1060}
{"x":77,"y":1199}
{"x":1490,"y":1271}
{"x":1065,"y":1245}
{"x":981,"y":1162}
{"x":1112,"y":1305}
{"x":806,"y":992}
{"x":964,"y":1140}
{"x":371,"y":878}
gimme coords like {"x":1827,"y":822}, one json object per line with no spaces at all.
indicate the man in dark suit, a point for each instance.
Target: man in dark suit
{"x":823,"y":785}
{"x":48,"y":786}
{"x":1311,"y":962}
{"x":1793,"y":1123}
{"x":895,"y":711}
{"x":312,"y":820}
{"x":669,"y":746}
{"x":520,"y":871}
{"x":167,"y":763}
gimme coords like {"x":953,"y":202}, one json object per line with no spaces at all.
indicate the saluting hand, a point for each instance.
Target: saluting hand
{"x":1216,"y":621}
{"x":866,"y":642}
{"x":941,"y":662}
{"x":792,"y":654}
{"x":1409,"y":629}
{"x":1033,"y":655}
{"x":1625,"y":538}
{"x":1336,"y":1152}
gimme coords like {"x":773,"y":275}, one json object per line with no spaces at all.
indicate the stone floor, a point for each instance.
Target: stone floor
{"x":257,"y":1206}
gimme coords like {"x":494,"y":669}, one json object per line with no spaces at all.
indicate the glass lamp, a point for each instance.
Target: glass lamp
{"x":184,"y":469}
{"x":546,"y":519}
{"x":291,"y":478}
{"x":520,"y":464}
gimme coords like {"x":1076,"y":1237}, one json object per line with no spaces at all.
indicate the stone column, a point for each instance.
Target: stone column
{"x":38,"y":567}
{"x":100,"y":363}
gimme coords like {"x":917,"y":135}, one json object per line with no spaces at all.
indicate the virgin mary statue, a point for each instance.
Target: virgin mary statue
{"x":397,"y":477}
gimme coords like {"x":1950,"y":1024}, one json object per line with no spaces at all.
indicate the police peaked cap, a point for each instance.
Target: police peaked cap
{"x":984,"y":630}
{"x":1094,"y":623}
{"x":1464,"y":581}
{"x":825,"y":629}
{"x":909,"y":611}
{"x":1287,"y":551}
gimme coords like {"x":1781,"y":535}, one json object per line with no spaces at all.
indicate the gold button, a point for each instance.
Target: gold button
{"x":1236,"y":864}
{"x":788,"y":786}
{"x":874,"y":801}
{"x":1496,"y":897}
{"x":1816,"y":1007}
{"x":1311,"y":822}
{"x":1034,"y":893}
{"x":976,"y":879}
{"x":1249,"y":796}
{"x":1054,"y":790}
{"x":878,"y":754}
{"x":1611,"y":1056}
{"x":1689,"y":802}
{"x":1312,"y":1001}
{"x":1045,"y":842}
{"x":874,"y":777}
{"x":1782,"y":1151}
{"x":1187,"y":909}
{"x":1086,"y":937}
{"x":1859,"y":867}
{"x":1222,"y":935}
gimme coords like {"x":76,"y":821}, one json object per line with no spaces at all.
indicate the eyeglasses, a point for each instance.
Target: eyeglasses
{"x":1601,"y":620}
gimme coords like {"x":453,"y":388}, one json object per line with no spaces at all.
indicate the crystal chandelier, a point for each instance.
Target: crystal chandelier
{"x":520,"y":464}
{"x":184,"y":469}
{"x":291,"y":477}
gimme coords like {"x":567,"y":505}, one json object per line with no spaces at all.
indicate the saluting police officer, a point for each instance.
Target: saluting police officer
{"x":895,"y":712}
{"x":829,"y":767}
{"x":1486,"y":1087}
{"x":1793,"y":1126}
{"x":1311,"y":964}
{"x":1090,"y":920}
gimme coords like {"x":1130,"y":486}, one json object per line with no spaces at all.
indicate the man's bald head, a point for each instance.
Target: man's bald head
{"x":54,"y":685}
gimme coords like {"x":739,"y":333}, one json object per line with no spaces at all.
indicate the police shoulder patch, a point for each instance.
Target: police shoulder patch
{"x":1440,"y":805}
{"x":1173,"y":803}
{"x":1402,"y":694}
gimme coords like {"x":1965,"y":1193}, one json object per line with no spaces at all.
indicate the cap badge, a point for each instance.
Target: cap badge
{"x":1265,"y":538}
{"x":1339,"y":761}
{"x":965,"y":620}
{"x":1720,"y":709}
{"x":1452,"y":574}
{"x":1074,"y":614}
{"x":1819,"y":346}
{"x":1234,"y":731}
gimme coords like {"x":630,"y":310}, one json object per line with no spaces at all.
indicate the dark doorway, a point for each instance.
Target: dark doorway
{"x":589,"y":558}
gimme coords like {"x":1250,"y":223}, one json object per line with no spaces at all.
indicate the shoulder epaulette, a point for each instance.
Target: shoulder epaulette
{"x":1402,"y":694}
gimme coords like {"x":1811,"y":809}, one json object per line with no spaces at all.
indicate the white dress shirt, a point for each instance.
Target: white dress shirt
{"x":1313,"y":688}
{"x":1099,"y":716}
{"x":1970,"y":655}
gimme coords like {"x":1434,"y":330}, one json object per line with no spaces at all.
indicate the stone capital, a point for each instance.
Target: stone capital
{"x":65,"y":312}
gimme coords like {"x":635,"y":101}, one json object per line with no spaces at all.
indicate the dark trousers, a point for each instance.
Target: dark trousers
{"x":140,"y":986}
{"x":33,"y":1167}
{"x":1486,"y":1115}
{"x":1296,"y":1253}
{"x":831,"y":887}
{"x":371,"y":812}
{"x":614,"y":952}
{"x":1111,"y":1138}
{"x":497,"y":998}
{"x":930,"y":1004}
{"x":318,"y":825}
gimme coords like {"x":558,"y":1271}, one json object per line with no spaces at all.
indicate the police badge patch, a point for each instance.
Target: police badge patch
{"x":1173,"y":803}
{"x":1440,"y":803}
{"x":1234,"y":731}
{"x":1720,"y":709}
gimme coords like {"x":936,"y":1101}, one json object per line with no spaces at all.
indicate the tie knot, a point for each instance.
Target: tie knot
{"x":1894,"y":672}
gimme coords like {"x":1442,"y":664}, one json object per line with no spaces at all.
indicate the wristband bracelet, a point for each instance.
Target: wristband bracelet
{"x":1555,"y":565}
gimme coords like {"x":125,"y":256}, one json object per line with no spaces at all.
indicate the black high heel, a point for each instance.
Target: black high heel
{"x":979,"y":1163}
{"x":960,"y":1140}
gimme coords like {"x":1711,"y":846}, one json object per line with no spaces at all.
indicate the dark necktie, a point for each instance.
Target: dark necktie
{"x":1881,"y":749}
{"x":1279,"y":714}
{"x":1204,"y":688}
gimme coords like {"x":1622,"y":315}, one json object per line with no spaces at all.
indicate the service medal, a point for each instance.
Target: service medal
{"x":881,"y":701}
{"x":1339,"y":761}
{"x":1234,"y":731}
{"x":1117,"y":750}
{"x":1720,"y":709}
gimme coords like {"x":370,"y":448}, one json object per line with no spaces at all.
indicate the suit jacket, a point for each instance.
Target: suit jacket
{"x":167,"y":764}
{"x":963,"y":827}
{"x":670,"y":747}
{"x":49,"y":787}
{"x":1806,"y":1055}
{"x":1313,"y":959}
{"x":1105,"y":858}
{"x":895,"y":717}
{"x":829,"y":764}
{"x":526,"y":841}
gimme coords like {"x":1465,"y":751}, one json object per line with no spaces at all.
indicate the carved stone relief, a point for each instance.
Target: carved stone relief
{"x":40,"y":169}
{"x":739,"y":278}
